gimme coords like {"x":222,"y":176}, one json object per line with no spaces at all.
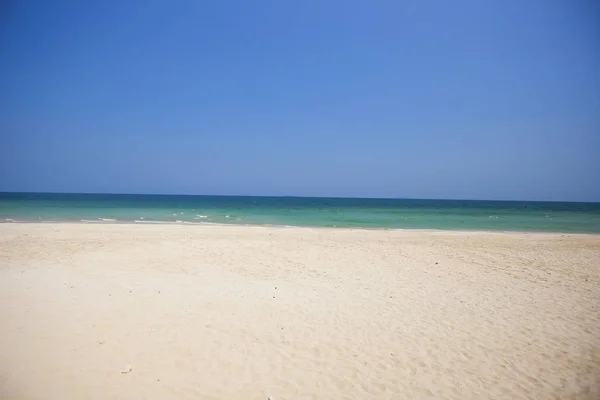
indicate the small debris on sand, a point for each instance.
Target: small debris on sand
{"x":127,"y":369}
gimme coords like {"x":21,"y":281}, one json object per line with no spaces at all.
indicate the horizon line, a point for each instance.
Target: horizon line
{"x":294,"y":196}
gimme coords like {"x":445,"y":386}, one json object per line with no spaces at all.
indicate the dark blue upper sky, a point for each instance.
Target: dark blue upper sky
{"x":428,"y":99}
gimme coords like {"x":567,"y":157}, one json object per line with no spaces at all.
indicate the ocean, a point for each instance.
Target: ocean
{"x":303,"y":211}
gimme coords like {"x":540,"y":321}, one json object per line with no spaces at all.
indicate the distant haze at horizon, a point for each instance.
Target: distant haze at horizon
{"x":291,"y":196}
{"x":433,"y":100}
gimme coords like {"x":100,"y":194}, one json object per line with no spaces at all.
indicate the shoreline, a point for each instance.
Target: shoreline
{"x":277,"y":226}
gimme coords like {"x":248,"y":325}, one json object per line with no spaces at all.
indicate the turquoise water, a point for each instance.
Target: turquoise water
{"x":303,"y":211}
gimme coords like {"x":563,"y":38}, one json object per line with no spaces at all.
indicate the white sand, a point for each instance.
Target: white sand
{"x":192,"y":312}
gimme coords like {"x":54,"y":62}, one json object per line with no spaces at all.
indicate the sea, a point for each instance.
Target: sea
{"x":524,"y":216}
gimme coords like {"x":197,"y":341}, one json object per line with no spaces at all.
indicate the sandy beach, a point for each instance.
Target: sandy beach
{"x":107,"y":311}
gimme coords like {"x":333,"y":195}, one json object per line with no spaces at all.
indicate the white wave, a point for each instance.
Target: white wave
{"x":201,"y":216}
{"x":108,"y":219}
{"x":152,"y":222}
{"x":9,"y":220}
{"x":90,"y":221}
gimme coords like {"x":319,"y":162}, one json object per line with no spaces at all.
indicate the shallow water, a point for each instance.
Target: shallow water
{"x":303,"y":211}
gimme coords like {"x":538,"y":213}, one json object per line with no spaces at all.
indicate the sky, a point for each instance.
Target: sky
{"x":410,"y":99}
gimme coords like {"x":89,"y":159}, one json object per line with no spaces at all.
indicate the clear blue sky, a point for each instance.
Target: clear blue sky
{"x":428,"y":99}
